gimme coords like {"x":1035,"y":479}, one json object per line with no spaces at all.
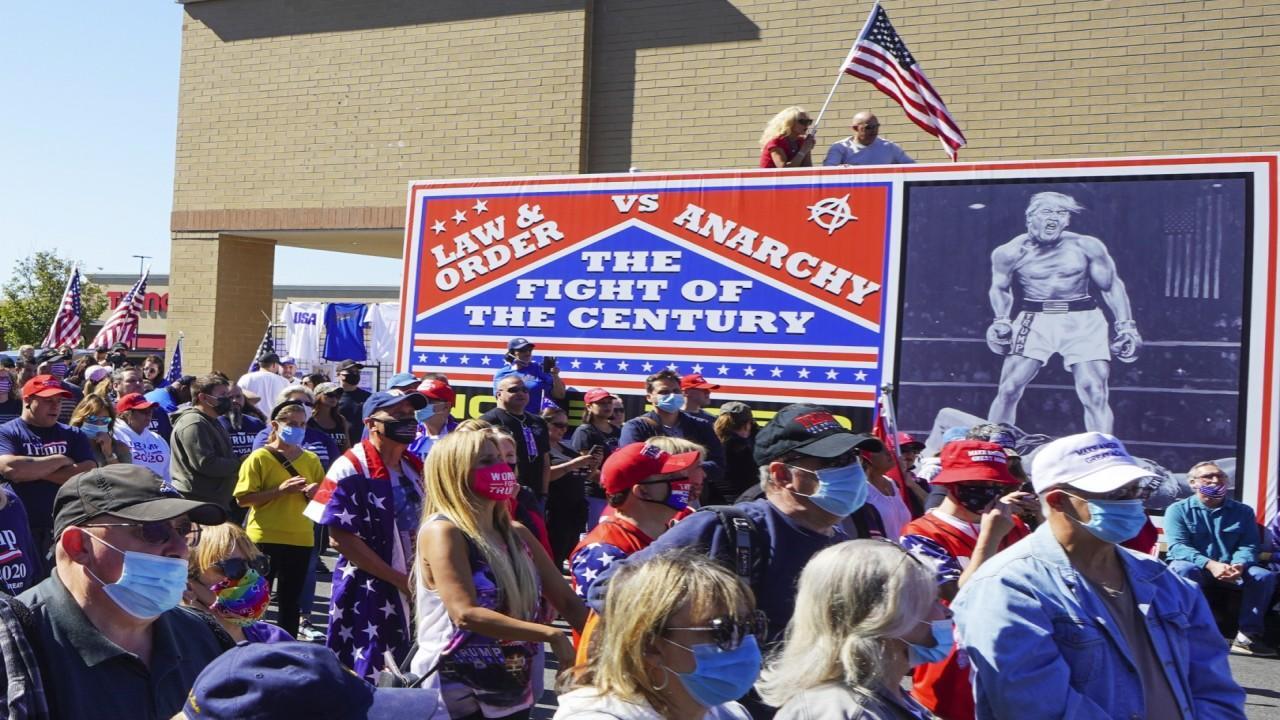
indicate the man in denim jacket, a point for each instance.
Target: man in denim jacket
{"x":1065,"y":624}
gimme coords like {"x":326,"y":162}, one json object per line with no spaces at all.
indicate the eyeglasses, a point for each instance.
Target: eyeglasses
{"x":235,"y":568}
{"x":159,"y":532}
{"x":97,"y":420}
{"x":727,"y":633}
{"x":804,"y":121}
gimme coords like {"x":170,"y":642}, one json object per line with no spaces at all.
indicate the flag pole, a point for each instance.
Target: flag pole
{"x":840,"y":74}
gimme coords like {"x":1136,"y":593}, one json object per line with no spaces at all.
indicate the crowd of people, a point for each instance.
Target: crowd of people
{"x":711,"y":561}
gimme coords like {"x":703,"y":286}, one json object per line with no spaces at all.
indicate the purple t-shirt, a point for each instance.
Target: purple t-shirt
{"x":20,"y":566}
{"x":19,"y":438}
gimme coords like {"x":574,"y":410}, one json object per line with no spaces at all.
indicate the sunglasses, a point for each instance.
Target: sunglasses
{"x":235,"y":568}
{"x":160,"y":531}
{"x":515,"y":390}
{"x":729,"y":634}
{"x":804,"y":121}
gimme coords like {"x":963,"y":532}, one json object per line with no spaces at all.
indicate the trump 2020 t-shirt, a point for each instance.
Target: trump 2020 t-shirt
{"x":19,"y":438}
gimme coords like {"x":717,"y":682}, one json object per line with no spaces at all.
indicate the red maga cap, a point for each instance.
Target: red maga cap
{"x":974,"y":461}
{"x":695,"y":381}
{"x":45,"y":386}
{"x":133,"y":401}
{"x":637,"y":462}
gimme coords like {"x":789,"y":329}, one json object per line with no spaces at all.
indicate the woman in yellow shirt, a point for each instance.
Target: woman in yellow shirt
{"x":276,"y":481}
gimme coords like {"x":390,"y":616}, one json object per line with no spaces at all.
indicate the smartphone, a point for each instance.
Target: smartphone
{"x":548,"y":362}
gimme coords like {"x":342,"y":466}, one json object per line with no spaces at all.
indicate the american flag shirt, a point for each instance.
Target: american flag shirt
{"x":612,"y":539}
{"x":367,"y":616}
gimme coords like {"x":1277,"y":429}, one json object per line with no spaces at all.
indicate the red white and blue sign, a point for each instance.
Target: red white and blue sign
{"x":770,"y":286}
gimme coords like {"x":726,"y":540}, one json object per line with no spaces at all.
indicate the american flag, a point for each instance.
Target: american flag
{"x":175,"y":365}
{"x":881,"y":58}
{"x":122,"y":326}
{"x":267,"y":345}
{"x":65,"y":329}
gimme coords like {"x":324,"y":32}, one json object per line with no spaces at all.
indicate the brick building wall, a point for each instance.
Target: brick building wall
{"x":307,"y":117}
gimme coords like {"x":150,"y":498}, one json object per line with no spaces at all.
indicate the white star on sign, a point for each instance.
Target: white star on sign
{"x":723,"y":370}
{"x":422,"y":358}
{"x":831,"y":374}
{"x":673,"y":367}
{"x":575,"y":363}
{"x":749,"y":371}
{"x":480,"y":206}
{"x":697,"y":368}
{"x":465,"y":359}
{"x":437,"y":227}
{"x":484,"y":359}
{"x":459,"y":217}
{"x":647,"y":367}
{"x":348,"y":570}
{"x":859,"y":376}
{"x":803,"y":373}
{"x":599,"y":364}
{"x":344,"y":632}
{"x":388,"y":609}
{"x":623,"y":365}
{"x":345,"y":518}
{"x":776,"y":372}
{"x":444,"y":358}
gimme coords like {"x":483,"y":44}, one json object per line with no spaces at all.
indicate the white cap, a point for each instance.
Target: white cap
{"x":1093,"y":462}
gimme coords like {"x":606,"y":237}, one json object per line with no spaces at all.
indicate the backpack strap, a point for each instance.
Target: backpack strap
{"x":748,"y":549}
{"x":279,"y":456}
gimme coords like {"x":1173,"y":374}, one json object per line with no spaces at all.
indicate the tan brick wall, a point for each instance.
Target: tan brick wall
{"x":218,"y":289}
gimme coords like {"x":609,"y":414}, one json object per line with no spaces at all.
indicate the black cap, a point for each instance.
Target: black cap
{"x":349,"y":365}
{"x":120,"y":346}
{"x":269,"y":358}
{"x":7,"y":362}
{"x":807,"y":430}
{"x":185,"y":380}
{"x":131,"y":492}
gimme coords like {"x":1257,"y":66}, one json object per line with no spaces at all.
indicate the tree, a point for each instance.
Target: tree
{"x":30,"y":300}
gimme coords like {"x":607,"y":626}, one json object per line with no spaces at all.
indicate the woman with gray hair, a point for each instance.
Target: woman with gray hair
{"x":866,"y":612}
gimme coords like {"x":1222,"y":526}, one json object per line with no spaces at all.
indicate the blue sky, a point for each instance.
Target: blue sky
{"x":90,"y":98}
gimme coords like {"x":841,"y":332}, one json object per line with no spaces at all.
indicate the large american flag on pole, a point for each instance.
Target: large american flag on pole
{"x":65,"y":329}
{"x":881,"y":58}
{"x":122,"y":326}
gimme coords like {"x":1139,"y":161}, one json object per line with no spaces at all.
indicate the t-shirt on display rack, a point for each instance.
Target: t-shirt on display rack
{"x":319,"y":335}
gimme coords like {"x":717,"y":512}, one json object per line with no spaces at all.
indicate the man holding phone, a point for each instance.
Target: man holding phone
{"x":538,"y":379}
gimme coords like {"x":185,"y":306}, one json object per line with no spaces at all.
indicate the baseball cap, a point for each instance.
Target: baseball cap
{"x":596,"y":395}
{"x":119,"y":346}
{"x":519,"y":344}
{"x":286,"y":360}
{"x":974,"y":461}
{"x":401,"y":379}
{"x":438,"y":390}
{"x":133,"y":401}
{"x":1093,"y":462}
{"x":258,"y":681}
{"x":268,"y":358}
{"x":808,"y":430}
{"x":695,"y":381}
{"x":733,"y":407}
{"x":45,"y":386}
{"x":387,"y":398}
{"x":349,"y":365}
{"x":96,"y":373}
{"x":325,"y":388}
{"x":637,"y":462}
{"x":132,"y":492}
{"x":906,"y":439}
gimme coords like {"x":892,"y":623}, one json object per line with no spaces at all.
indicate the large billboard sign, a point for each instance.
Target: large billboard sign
{"x":1134,"y":296}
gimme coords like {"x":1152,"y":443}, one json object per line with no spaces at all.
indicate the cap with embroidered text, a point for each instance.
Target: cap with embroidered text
{"x":1093,"y":462}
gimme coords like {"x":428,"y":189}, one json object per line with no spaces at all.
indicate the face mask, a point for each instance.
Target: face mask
{"x":6,"y":386}
{"x":669,"y":402}
{"x":841,"y":490}
{"x":291,"y":435}
{"x":149,"y":585}
{"x":242,"y":601}
{"x":677,"y":494}
{"x":720,"y":676}
{"x":351,"y":378}
{"x":495,"y":482}
{"x":1114,"y":521}
{"x":1213,"y":492}
{"x":220,"y":405}
{"x":401,"y":431}
{"x":944,"y":639}
{"x":976,"y":498}
{"x":93,"y":430}
{"x":58,"y":370}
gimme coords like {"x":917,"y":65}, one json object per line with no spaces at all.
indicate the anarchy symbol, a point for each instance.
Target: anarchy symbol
{"x":831,"y":214}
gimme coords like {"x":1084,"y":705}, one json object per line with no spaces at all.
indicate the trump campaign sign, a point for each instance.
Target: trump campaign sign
{"x":772,"y":285}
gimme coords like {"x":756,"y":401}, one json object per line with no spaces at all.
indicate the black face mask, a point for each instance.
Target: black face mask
{"x":351,"y":378}
{"x":976,"y":498}
{"x":221,"y":405}
{"x":401,"y":431}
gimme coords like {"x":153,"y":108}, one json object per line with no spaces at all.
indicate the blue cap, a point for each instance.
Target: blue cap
{"x":257,"y":681}
{"x":387,"y":398}
{"x":515,"y":344}
{"x":402,"y":379}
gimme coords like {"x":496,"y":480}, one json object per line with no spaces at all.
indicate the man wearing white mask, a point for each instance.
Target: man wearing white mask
{"x":112,"y":641}
{"x":1066,"y":624}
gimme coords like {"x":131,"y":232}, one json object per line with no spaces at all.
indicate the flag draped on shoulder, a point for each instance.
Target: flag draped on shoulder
{"x":881,"y":58}
{"x":65,"y":329}
{"x":122,"y":326}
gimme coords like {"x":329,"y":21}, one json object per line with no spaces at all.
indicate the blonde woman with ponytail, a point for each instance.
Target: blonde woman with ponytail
{"x":482,"y":586}
{"x":866,"y":612}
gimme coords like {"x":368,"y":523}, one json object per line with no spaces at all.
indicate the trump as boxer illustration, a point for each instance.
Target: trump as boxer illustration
{"x":1054,"y":269}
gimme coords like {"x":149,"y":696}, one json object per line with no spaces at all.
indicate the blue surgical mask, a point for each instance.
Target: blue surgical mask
{"x":720,"y":676}
{"x":424,"y":414}
{"x":1114,"y":521}
{"x":149,"y":585}
{"x":669,"y":402}
{"x":841,"y":490}
{"x":944,"y":638}
{"x":291,"y":435}
{"x":93,"y":430}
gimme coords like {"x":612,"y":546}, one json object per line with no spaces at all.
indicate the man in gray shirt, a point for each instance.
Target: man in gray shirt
{"x":865,"y":146}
